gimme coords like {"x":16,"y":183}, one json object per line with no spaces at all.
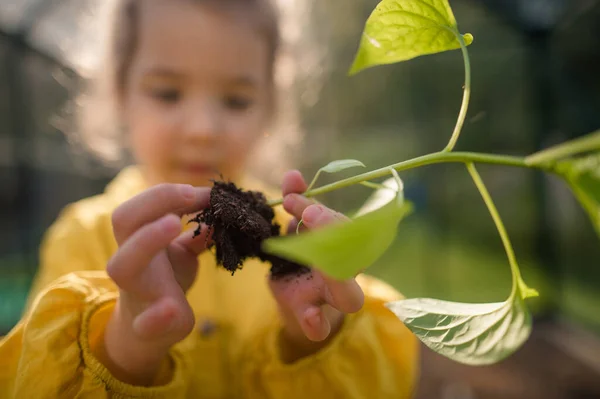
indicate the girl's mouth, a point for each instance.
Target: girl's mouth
{"x":199,"y":169}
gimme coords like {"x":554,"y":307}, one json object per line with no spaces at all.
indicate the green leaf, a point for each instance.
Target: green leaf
{"x":343,"y":250}
{"x":382,"y":196}
{"x":473,"y":334}
{"x":399,"y":30}
{"x":583,"y":176}
{"x":580,"y":145}
{"x":339,"y":165}
{"x":335,"y":166}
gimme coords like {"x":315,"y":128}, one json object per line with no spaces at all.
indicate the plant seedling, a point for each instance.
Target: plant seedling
{"x":240,"y":221}
{"x":476,"y":334}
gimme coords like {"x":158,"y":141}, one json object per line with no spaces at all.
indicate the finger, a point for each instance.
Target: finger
{"x":295,"y":204}
{"x":184,"y":263}
{"x":162,"y":318}
{"x":345,"y":296}
{"x":194,"y":245}
{"x":183,"y":255}
{"x":293,"y":182}
{"x":137,"y":252}
{"x":314,"y":324}
{"x":316,"y":215}
{"x":157,"y":319}
{"x":154,"y":203}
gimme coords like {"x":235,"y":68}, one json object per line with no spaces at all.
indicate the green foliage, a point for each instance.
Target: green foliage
{"x":390,"y":189}
{"x":399,"y":30}
{"x":578,"y":163}
{"x":583,"y":176}
{"x":336,"y":166}
{"x":343,"y":250}
{"x":341,"y":164}
{"x":588,"y":143}
{"x":474,"y":334}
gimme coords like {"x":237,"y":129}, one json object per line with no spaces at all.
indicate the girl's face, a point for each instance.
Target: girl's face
{"x":198,"y":93}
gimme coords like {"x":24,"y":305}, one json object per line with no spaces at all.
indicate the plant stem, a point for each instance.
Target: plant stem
{"x":300,"y":223}
{"x":434,"y":158}
{"x":466,"y":95}
{"x":589,"y":142}
{"x":314,"y":180}
{"x":516,"y":274}
{"x":374,"y":186}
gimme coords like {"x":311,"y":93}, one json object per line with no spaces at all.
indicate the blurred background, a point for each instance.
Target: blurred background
{"x":535,"y":67}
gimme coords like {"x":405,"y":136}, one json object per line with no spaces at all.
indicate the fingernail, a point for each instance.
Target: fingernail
{"x":312,"y":213}
{"x":314,"y":320}
{"x":187,"y":191}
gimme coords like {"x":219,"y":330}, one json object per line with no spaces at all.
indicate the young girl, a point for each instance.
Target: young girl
{"x":129,"y":304}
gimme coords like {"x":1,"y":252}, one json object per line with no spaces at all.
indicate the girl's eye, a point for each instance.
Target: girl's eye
{"x":237,"y":103}
{"x":169,"y":96}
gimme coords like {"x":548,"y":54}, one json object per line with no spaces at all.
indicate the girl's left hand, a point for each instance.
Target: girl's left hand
{"x":312,"y":306}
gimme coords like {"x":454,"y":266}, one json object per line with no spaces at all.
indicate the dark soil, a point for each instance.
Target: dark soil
{"x":240,"y":221}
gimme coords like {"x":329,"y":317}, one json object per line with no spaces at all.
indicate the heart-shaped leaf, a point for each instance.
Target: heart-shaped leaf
{"x":470,"y":333}
{"x":474,"y":334}
{"x":399,"y":30}
{"x":391,"y":190}
{"x":343,"y":250}
{"x":583,"y":176}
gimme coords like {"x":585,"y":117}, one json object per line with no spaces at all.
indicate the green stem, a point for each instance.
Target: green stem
{"x":466,"y":95}
{"x":314,"y":180}
{"x":400,"y":191}
{"x":516,"y":274}
{"x":589,"y":142}
{"x":300,"y":223}
{"x":437,"y":157}
{"x":374,"y":186}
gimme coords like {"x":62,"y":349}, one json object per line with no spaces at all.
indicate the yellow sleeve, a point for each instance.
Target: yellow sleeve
{"x":80,"y":240}
{"x":49,"y":352}
{"x":373,"y":356}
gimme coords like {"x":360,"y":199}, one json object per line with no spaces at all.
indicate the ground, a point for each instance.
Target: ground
{"x":540,"y":370}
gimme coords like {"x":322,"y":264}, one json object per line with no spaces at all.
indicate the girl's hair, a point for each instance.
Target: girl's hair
{"x":98,"y":127}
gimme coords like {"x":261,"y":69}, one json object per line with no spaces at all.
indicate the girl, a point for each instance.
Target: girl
{"x":123,"y":308}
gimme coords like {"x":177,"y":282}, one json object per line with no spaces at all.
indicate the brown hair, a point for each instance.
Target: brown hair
{"x":260,"y":13}
{"x":99,"y":102}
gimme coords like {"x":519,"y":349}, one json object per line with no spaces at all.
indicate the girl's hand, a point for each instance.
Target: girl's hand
{"x":312,"y":306}
{"x":154,"y":267}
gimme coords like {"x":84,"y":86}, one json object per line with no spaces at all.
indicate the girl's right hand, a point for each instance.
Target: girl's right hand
{"x":154,"y":267}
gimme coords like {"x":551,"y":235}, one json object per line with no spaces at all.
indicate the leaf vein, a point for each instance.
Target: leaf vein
{"x":432,"y":22}
{"x":431,"y":8}
{"x":476,"y":336}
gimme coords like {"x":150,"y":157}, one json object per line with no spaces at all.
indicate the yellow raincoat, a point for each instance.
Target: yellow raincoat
{"x":232,"y":353}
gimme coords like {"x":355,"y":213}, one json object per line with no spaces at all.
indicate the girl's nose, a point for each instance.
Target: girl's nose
{"x":202,"y":121}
